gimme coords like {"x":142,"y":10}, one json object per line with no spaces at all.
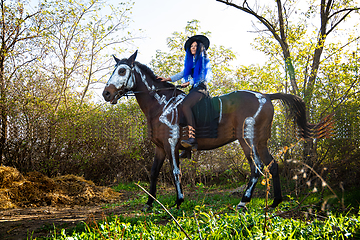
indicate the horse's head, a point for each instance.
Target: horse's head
{"x":122,"y":79}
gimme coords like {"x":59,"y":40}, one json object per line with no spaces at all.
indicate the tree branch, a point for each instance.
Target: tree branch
{"x":342,"y":19}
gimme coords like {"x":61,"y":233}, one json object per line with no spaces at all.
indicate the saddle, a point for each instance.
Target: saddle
{"x":206,"y":113}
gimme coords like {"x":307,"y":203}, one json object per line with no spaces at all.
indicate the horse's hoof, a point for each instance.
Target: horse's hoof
{"x":242,"y":208}
{"x":178,"y":202}
{"x":147,"y":208}
{"x":276,"y":202}
{"x":175,"y":206}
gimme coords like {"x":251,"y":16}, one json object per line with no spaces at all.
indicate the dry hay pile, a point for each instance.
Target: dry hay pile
{"x":35,"y":189}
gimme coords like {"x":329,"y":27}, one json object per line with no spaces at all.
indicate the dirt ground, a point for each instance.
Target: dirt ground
{"x":31,"y":204}
{"x":39,"y":221}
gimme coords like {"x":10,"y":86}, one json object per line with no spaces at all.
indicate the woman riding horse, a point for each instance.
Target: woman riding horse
{"x":246,"y":116}
{"x":197,"y":71}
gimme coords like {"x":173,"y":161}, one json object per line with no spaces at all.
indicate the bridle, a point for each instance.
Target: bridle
{"x":132,"y":77}
{"x":130,"y":93}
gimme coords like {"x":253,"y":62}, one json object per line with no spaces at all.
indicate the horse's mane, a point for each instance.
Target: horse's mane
{"x":148,"y":71}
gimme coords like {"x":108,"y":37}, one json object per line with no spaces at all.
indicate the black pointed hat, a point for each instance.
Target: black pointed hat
{"x":200,"y":38}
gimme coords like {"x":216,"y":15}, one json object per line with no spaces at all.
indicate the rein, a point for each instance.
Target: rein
{"x":132,"y":93}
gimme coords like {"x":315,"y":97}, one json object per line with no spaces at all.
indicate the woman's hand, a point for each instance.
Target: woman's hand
{"x":185,"y":84}
{"x":164,"y":79}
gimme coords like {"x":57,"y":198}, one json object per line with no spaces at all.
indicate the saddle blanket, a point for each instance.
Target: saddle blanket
{"x":206,"y":113}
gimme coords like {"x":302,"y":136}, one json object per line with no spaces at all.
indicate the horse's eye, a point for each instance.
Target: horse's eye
{"x":122,"y":71}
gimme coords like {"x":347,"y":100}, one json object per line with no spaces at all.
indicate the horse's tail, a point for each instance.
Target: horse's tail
{"x":298,"y":108}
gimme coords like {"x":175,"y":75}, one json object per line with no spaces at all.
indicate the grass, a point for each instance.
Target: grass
{"x":208,"y":214}
{"x":205,"y":223}
{"x":128,"y":186}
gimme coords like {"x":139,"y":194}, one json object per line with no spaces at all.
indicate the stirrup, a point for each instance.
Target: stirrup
{"x":191,"y":142}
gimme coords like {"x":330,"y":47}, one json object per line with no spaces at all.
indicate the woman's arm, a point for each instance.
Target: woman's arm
{"x":173,"y":78}
{"x":209,"y":74}
{"x":177,"y":76}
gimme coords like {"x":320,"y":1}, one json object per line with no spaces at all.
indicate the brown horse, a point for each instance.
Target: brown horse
{"x":245,"y":116}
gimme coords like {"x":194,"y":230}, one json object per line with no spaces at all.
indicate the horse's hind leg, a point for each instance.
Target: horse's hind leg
{"x":155,"y":170}
{"x":256,"y":167}
{"x":274,"y":170}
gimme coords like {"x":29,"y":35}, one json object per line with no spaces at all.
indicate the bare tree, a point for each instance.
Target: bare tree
{"x":331,"y":14}
{"x":277,"y":22}
{"x":50,"y":55}
{"x":17,"y":27}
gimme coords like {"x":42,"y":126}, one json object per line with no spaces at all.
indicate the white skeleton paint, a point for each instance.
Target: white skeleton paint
{"x":127,"y":81}
{"x":120,"y":81}
{"x":220,"y":110}
{"x":249,"y":134}
{"x":170,"y":108}
{"x":252,"y":141}
{"x":249,"y":131}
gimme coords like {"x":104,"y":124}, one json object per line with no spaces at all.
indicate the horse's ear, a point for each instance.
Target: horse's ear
{"x":131,"y":59}
{"x":116,"y":59}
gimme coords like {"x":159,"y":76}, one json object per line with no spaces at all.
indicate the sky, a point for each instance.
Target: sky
{"x":158,"y":19}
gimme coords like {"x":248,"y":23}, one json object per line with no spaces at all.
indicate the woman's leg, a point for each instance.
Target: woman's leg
{"x":190,"y":100}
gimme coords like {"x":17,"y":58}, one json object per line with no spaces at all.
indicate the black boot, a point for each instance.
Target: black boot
{"x":191,"y":142}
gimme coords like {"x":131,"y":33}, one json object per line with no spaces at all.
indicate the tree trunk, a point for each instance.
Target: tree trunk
{"x":3,"y":108}
{"x":3,"y":120}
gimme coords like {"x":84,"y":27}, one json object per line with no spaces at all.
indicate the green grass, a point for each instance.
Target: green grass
{"x":128,"y":186}
{"x":212,"y":225}
{"x":209,"y":215}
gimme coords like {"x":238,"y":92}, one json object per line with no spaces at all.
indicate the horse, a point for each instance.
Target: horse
{"x":245,"y":116}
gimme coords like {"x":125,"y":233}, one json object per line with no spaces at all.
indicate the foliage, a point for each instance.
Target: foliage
{"x":56,"y":52}
{"x":172,"y":62}
{"x":211,"y":216}
{"x":52,"y":54}
{"x":309,"y":55}
{"x":209,"y":166}
{"x":130,"y":186}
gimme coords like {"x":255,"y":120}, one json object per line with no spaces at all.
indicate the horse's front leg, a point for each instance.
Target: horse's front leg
{"x":155,"y":170}
{"x":173,"y":152}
